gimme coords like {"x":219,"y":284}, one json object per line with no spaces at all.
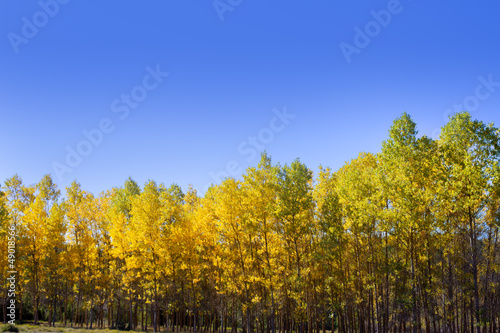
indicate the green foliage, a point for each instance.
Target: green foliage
{"x":10,"y":328}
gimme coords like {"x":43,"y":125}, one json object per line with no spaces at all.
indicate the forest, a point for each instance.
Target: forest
{"x":404,"y":240}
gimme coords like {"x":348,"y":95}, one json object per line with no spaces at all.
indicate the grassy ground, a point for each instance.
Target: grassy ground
{"x":43,"y":327}
{"x":46,"y":328}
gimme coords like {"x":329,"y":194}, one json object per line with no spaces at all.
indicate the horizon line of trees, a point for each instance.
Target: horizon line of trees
{"x":406,"y":240}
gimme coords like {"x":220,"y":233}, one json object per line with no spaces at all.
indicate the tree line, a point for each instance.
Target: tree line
{"x":403,"y":240}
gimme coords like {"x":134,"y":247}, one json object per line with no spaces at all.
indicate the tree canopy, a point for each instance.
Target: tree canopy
{"x":406,"y":239}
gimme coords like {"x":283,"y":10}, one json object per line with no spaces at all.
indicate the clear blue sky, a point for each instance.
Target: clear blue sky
{"x":68,"y":66}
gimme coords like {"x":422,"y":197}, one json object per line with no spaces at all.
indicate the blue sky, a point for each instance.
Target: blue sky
{"x":341,"y":70}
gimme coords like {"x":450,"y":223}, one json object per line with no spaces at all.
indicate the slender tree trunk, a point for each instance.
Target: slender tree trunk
{"x":77,"y":307}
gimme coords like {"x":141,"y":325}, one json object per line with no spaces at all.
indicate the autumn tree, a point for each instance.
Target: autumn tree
{"x":406,"y":239}
{"x":261,"y":184}
{"x":470,"y":151}
{"x":294,"y":211}
{"x":4,"y":254}
{"x":125,"y":278}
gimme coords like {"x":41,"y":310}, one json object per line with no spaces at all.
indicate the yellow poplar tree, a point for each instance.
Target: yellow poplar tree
{"x":146,"y":237}
{"x":36,"y":237}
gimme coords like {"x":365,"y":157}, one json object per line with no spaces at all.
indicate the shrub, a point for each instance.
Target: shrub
{"x":10,"y":328}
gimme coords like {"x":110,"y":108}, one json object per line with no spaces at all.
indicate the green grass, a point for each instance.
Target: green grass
{"x":44,"y":328}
